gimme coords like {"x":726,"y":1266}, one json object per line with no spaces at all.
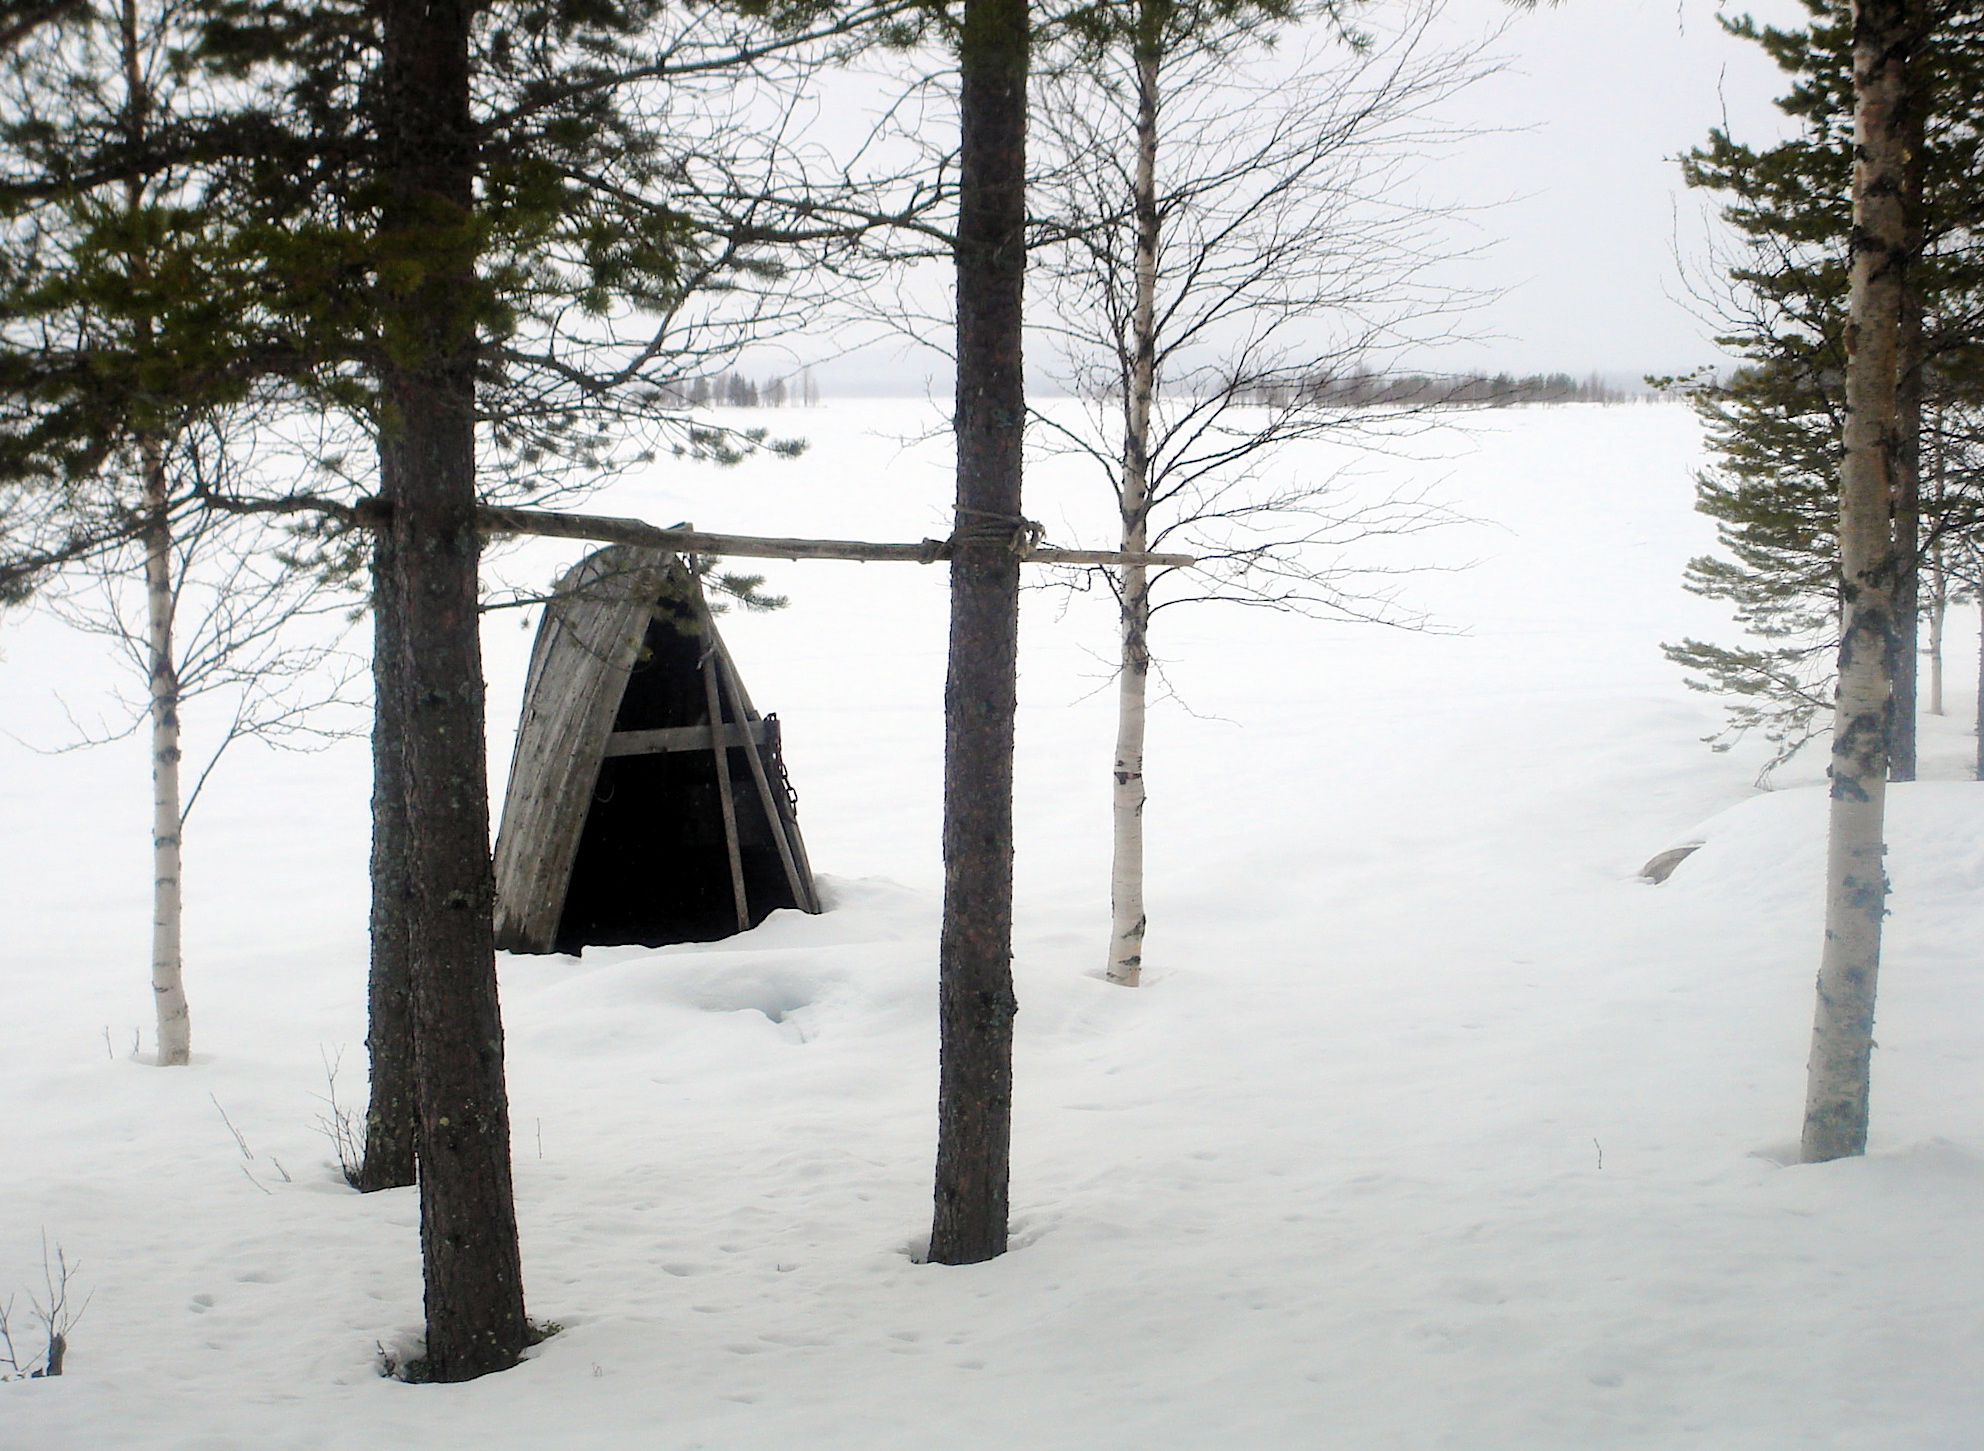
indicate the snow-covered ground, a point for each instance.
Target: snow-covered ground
{"x":1434,"y":1126}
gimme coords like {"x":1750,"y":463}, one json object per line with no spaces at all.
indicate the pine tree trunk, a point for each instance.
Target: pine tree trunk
{"x":468,"y":1229}
{"x":975,"y":987}
{"x":175,"y":1029}
{"x":390,"y":1117}
{"x":1856,"y":877}
{"x":1126,"y":876}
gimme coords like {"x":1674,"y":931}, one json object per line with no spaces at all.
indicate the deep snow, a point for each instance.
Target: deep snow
{"x":1434,"y":1126}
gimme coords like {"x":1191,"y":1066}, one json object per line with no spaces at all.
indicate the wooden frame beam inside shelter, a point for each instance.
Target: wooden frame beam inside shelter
{"x":607,"y":530}
{"x":682,"y":738}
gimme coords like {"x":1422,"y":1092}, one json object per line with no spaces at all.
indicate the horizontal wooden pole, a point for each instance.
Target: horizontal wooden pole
{"x":746,"y":546}
{"x":669,"y":739}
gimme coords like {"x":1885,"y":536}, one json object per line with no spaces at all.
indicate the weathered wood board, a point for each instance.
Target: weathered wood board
{"x":613,"y":829}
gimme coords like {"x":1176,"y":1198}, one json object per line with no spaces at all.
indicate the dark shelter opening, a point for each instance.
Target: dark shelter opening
{"x":653,"y":865}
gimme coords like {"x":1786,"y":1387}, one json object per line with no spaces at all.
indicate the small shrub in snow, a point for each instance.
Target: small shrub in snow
{"x":341,"y":1125}
{"x":54,"y":1318}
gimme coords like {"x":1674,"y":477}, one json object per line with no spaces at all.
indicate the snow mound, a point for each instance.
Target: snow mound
{"x":1772,"y":849}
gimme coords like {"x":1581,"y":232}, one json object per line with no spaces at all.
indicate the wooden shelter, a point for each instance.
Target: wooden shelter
{"x":625,"y":819}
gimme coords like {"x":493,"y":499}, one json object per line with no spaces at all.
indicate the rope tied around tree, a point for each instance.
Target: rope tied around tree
{"x":1021,"y":535}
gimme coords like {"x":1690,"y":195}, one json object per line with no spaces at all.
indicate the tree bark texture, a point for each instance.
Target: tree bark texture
{"x":975,"y":989}
{"x":1128,"y":918}
{"x":162,"y":690}
{"x":390,"y":1117}
{"x":1856,"y":875}
{"x":468,"y":1230}
{"x":175,"y":1029}
{"x":1907,"y":506}
{"x":1907,"y":527}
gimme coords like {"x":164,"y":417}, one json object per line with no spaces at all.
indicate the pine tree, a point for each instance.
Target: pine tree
{"x":975,"y":970}
{"x":124,"y":386}
{"x":1775,"y":427}
{"x":432,"y":208}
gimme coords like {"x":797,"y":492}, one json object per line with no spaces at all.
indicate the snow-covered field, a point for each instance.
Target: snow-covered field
{"x":1434,"y":1126}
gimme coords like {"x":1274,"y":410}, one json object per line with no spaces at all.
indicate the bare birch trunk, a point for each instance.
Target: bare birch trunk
{"x":1126,"y":875}
{"x":175,"y":1041}
{"x":1856,"y":876}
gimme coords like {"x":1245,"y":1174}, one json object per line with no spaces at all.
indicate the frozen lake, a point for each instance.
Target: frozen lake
{"x":1433,"y":1126}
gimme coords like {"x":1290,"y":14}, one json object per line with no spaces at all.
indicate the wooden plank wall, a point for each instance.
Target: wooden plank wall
{"x":586,"y":647}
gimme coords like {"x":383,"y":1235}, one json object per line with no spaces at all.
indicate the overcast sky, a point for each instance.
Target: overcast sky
{"x":1579,"y":223}
{"x":1609,"y":93}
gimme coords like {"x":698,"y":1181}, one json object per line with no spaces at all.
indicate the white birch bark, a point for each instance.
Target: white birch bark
{"x":1126,"y":874}
{"x":1836,"y":1098}
{"x":162,"y":678}
{"x":168,"y":978}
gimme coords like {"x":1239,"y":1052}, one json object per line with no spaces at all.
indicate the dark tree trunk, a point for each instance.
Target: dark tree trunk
{"x":1836,"y":1092}
{"x":974,"y":1097}
{"x":390,"y":1120}
{"x":1907,"y":665}
{"x":468,"y":1228}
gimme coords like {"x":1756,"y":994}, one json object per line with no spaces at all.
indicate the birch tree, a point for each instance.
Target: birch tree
{"x":1775,"y":425}
{"x":1885,"y":33}
{"x":216,"y":618}
{"x":117,"y":382}
{"x":1235,"y":241}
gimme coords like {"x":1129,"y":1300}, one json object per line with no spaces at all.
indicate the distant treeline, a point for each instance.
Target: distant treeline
{"x":736,"y":390}
{"x":1345,"y":390}
{"x":1424,"y":390}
